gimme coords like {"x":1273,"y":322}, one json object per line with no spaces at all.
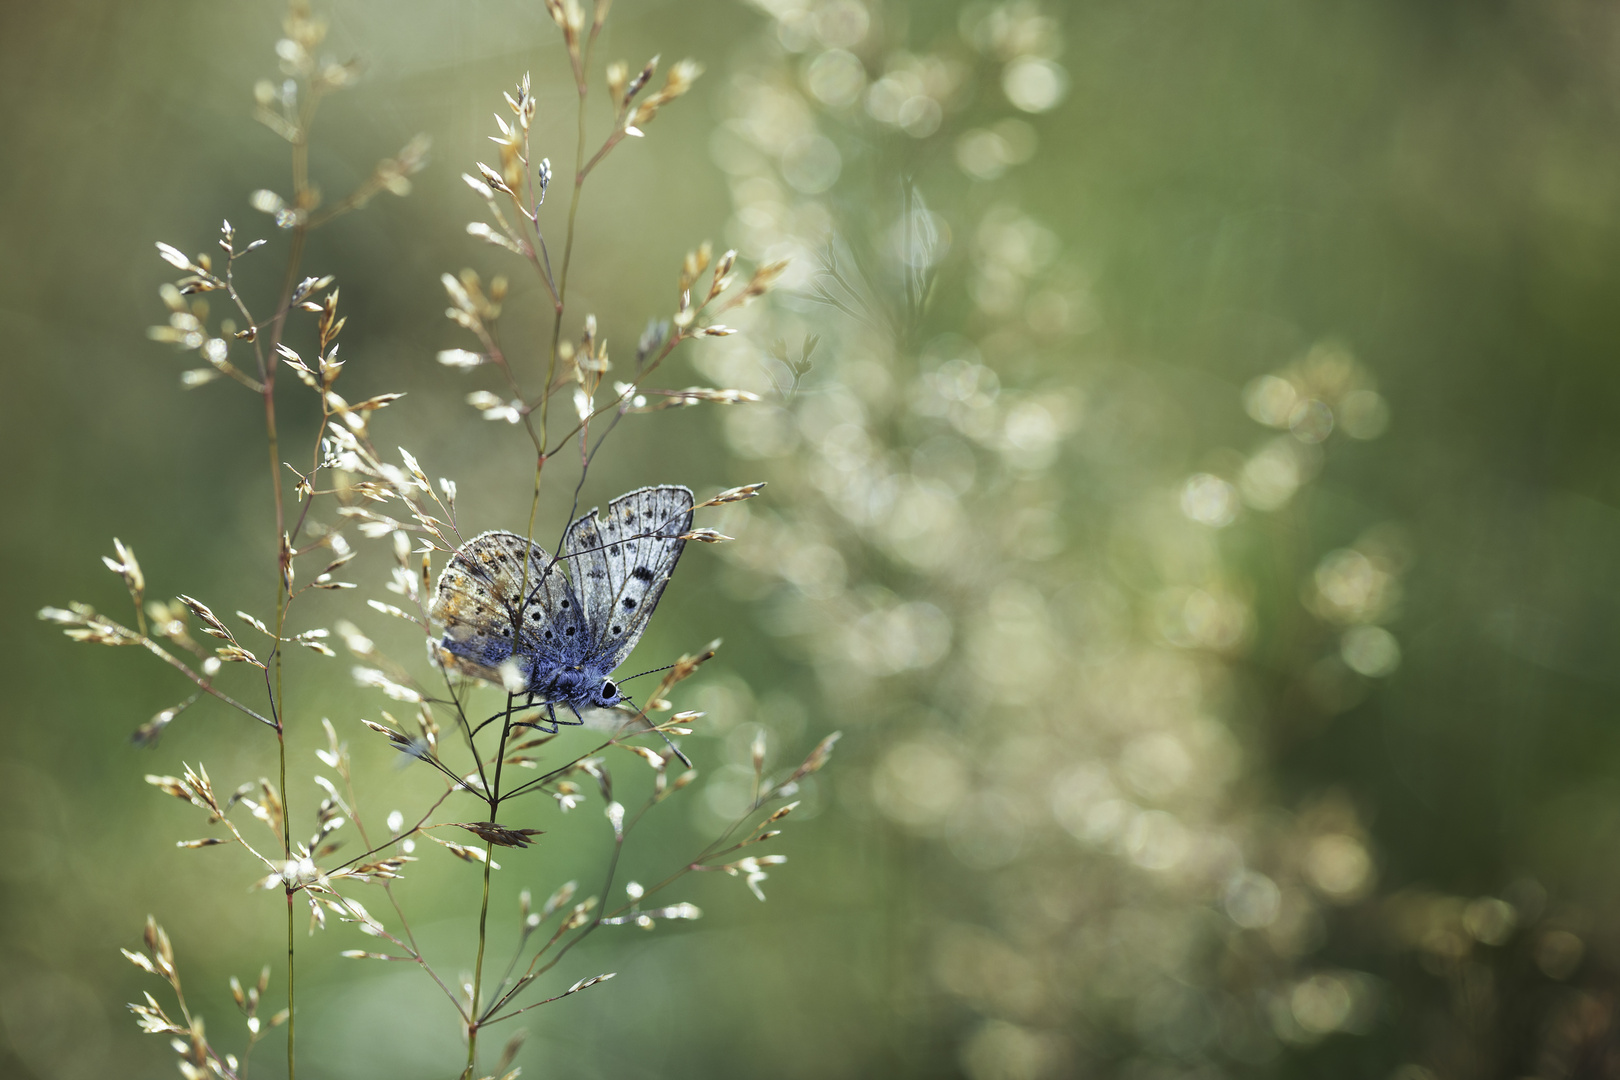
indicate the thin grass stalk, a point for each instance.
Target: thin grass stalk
{"x":295,"y":255}
{"x":534,"y":509}
{"x":478,"y":968}
{"x":568,"y":244}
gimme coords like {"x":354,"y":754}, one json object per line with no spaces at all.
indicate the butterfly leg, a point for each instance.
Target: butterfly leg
{"x":536,"y":724}
{"x":550,"y":728}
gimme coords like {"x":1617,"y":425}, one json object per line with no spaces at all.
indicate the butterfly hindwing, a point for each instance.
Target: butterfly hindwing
{"x":501,"y":596}
{"x":621,"y":562}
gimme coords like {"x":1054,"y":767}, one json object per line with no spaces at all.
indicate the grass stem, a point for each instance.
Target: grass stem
{"x":478,"y":968}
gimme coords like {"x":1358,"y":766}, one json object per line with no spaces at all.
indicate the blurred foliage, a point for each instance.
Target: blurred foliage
{"x":1198,"y":506}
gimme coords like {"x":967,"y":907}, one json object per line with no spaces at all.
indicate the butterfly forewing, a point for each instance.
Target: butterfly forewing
{"x":501,"y":595}
{"x":622,"y":561}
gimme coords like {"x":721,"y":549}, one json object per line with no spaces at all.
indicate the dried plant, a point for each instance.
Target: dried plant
{"x":347,"y":485}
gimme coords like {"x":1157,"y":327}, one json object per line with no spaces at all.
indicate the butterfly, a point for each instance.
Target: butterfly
{"x":512,"y":615}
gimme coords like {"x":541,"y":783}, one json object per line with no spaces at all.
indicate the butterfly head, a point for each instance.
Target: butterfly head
{"x":585,"y":688}
{"x":597,"y":688}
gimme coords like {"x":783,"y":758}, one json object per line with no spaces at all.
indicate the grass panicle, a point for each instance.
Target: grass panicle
{"x":348,"y":488}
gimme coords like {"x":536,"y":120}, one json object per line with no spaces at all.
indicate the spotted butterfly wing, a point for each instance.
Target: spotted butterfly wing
{"x":502,"y":597}
{"x":621,"y":562}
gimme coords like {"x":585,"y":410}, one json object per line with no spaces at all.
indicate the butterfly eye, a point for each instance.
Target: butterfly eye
{"x":608,"y":689}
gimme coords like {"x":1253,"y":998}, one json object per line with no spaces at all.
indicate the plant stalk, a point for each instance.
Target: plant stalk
{"x":294,"y":257}
{"x":478,"y":968}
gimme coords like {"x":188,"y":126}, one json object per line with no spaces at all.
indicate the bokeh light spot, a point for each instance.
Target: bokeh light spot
{"x":1033,"y":84}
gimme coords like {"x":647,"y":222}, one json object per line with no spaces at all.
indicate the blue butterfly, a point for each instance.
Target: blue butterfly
{"x":512,"y":616}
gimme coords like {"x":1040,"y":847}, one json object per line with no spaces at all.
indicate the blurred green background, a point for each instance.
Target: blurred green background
{"x":1200,"y":515}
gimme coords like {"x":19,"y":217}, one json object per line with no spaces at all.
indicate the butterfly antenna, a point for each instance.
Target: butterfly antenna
{"x":665,"y":735}
{"x":674,"y":749}
{"x":639,"y":674}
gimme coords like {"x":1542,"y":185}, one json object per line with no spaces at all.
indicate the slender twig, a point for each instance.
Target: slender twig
{"x":388,"y":888}
{"x":403,"y":835}
{"x":204,"y":684}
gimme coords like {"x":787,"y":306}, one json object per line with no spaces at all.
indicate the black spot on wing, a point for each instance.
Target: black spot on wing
{"x":642,"y":573}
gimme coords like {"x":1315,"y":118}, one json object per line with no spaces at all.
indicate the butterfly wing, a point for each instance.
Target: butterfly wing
{"x":621,"y":563}
{"x":501,"y":596}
